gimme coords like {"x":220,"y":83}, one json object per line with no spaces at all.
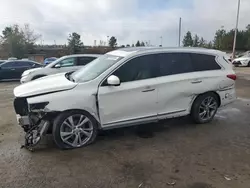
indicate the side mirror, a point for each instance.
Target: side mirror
{"x":58,"y":66}
{"x":113,"y":80}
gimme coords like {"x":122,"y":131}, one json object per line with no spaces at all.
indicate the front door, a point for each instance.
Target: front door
{"x":135,"y":99}
{"x":8,"y":70}
{"x":66,"y":65}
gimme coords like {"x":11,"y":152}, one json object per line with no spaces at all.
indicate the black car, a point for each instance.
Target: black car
{"x":13,"y":69}
{"x":2,"y":61}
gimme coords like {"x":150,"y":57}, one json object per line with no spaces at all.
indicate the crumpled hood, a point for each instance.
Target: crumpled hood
{"x":31,"y":70}
{"x":47,"y":84}
{"x":242,"y":58}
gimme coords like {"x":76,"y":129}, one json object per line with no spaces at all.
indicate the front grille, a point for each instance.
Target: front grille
{"x":21,"y":106}
{"x":237,"y":63}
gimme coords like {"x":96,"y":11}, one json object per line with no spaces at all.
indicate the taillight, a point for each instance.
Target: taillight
{"x":232,"y":76}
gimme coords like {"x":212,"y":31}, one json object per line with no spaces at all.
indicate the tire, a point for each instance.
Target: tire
{"x":248,"y":65}
{"x":201,"y":111}
{"x":38,"y":76}
{"x":61,"y":130}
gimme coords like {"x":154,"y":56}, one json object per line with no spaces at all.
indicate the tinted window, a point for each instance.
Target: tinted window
{"x":23,"y":64}
{"x":85,"y":60}
{"x":139,"y":68}
{"x":174,"y":63}
{"x":9,"y":64}
{"x":67,"y":62}
{"x":202,"y":62}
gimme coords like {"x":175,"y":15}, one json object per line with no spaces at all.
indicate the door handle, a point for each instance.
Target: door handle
{"x":148,"y":90}
{"x":196,"y":81}
{"x":12,"y":69}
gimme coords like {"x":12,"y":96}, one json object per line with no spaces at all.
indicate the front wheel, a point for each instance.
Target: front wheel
{"x":204,"y":108}
{"x":74,"y":129}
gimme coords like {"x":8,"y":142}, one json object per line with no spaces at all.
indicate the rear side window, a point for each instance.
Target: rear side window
{"x":202,"y":62}
{"x":84,"y":60}
{"x":174,"y":63}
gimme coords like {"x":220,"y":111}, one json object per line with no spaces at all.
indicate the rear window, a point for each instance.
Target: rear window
{"x":202,"y":62}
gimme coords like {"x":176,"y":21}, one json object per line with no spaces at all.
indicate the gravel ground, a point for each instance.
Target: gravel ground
{"x":176,"y":153}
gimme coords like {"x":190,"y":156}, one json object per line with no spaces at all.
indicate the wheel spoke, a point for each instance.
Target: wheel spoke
{"x":66,"y":123}
{"x":83,"y":122}
{"x":202,"y":114}
{"x":63,"y":134}
{"x":65,"y":138}
{"x":86,"y":133}
{"x":71,"y":121}
{"x":81,"y":118}
{"x":212,"y":106}
{"x":209,"y":100}
{"x":208,"y":114}
{"x":75,"y":142}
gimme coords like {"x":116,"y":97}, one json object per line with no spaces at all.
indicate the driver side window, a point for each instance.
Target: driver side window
{"x":67,"y":62}
{"x":139,"y":68}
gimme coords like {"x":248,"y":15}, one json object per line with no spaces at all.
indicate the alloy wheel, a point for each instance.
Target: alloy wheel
{"x":208,"y":108}
{"x":76,"y":130}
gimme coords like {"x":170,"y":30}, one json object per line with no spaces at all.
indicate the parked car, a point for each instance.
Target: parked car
{"x":13,"y":69}
{"x":49,"y":60}
{"x":63,"y":64}
{"x":243,"y":60}
{"x":2,"y":61}
{"x":125,"y":87}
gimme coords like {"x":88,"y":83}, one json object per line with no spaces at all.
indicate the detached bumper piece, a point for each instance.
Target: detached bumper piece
{"x":33,"y":124}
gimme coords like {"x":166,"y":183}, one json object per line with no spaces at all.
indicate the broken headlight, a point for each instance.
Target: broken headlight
{"x":38,"y":106}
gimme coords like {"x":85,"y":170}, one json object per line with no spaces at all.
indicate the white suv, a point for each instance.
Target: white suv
{"x":64,"y":64}
{"x":125,"y":87}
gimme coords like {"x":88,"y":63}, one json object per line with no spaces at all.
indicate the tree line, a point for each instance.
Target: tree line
{"x":223,"y":40}
{"x":18,"y":41}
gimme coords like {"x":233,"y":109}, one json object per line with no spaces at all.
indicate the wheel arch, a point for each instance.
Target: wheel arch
{"x":215,"y":93}
{"x":84,"y":111}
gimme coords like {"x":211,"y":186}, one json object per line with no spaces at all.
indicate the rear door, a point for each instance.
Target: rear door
{"x":20,"y":67}
{"x":84,"y":60}
{"x":176,"y":84}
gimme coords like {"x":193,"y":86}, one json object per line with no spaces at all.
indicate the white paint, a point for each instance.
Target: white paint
{"x":46,"y":84}
{"x":120,"y":53}
{"x":129,"y":103}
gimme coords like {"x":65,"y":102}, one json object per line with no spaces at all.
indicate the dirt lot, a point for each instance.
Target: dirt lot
{"x":215,"y":155}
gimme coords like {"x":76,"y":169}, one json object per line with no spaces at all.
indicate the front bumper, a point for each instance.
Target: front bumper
{"x":22,"y":120}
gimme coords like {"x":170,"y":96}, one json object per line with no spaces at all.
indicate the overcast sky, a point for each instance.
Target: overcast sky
{"x":127,"y":20}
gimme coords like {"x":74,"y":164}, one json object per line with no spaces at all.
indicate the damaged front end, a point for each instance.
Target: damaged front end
{"x":35,"y":120}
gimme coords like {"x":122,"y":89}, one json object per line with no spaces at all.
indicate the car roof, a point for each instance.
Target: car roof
{"x":19,"y":60}
{"x":123,"y":52}
{"x":81,"y":55}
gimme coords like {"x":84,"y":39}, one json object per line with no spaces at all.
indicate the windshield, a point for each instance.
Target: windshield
{"x":95,"y":68}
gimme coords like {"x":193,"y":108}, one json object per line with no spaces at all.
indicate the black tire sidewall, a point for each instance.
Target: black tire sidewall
{"x":58,"y":122}
{"x":196,"y":106}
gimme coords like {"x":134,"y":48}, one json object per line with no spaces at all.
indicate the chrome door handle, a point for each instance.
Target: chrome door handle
{"x":148,"y":90}
{"x":12,"y":69}
{"x":196,"y":81}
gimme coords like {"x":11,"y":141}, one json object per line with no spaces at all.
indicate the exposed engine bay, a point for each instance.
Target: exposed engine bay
{"x":34,"y":120}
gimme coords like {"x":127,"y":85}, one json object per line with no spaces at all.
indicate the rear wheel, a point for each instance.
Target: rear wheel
{"x":74,"y":129}
{"x":204,"y":108}
{"x":248,"y":64}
